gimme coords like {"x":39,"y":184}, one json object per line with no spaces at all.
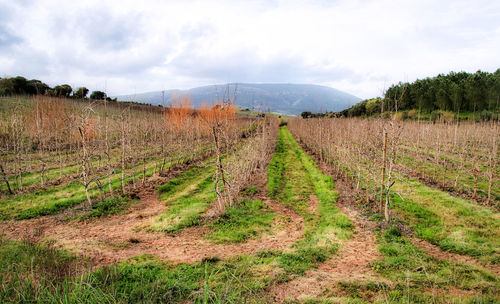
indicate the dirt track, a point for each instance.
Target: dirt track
{"x":352,"y":262}
{"x":116,"y":238}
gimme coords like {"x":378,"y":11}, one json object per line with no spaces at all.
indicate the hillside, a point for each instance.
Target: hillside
{"x":281,"y":98}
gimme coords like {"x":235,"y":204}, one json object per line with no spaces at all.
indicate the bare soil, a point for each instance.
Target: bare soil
{"x":116,"y":238}
{"x":352,"y":262}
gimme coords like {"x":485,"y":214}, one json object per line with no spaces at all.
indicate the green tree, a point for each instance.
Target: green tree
{"x":81,"y":92}
{"x":6,"y":86}
{"x":37,"y":87}
{"x":63,"y":90}
{"x":98,"y":95}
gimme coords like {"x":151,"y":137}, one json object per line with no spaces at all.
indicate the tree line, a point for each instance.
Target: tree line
{"x":458,"y":92}
{"x":21,"y":86}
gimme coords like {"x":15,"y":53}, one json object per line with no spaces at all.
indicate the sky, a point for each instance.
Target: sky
{"x":360,"y":47}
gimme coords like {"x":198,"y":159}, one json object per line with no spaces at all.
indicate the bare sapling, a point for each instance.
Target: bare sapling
{"x":85,"y":130}
{"x":384,"y":162}
{"x":124,"y":133}
{"x":492,"y":162}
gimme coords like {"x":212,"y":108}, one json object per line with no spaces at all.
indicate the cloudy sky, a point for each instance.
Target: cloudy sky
{"x":360,"y":47}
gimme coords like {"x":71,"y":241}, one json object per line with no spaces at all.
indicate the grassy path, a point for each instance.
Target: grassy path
{"x":454,"y":224}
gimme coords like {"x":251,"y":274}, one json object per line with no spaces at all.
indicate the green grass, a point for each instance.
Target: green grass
{"x":293,"y":177}
{"x":31,"y":178}
{"x":51,"y":200}
{"x":107,"y":207}
{"x":37,"y":273}
{"x":42,"y":202}
{"x":30,"y":271}
{"x":248,"y":219}
{"x":187,"y":197}
{"x":182,"y":180}
{"x":465,"y":179}
{"x":454,"y":224}
{"x":276,"y":168}
{"x":413,"y":272}
{"x":41,"y":274}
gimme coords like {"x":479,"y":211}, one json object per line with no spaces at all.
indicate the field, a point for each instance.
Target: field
{"x":103,"y":202}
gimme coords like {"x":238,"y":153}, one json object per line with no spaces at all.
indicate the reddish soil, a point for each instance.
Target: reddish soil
{"x":116,"y":238}
{"x":352,"y":262}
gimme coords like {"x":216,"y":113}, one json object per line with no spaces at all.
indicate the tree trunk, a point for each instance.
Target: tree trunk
{"x":6,"y":179}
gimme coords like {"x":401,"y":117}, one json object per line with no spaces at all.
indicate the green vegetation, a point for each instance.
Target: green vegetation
{"x":454,"y":224}
{"x":39,"y":273}
{"x":183,"y":180}
{"x":293,"y":178}
{"x":187,"y":197}
{"x":42,"y":202}
{"x":30,"y":271}
{"x":107,"y":207}
{"x":276,"y":168}
{"x":54,"y":199}
{"x":438,"y":97}
{"x":248,"y":219}
{"x":412,"y":270}
{"x":449,"y":174}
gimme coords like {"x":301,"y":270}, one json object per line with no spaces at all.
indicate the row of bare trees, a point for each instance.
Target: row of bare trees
{"x":377,"y":153}
{"x":46,"y":142}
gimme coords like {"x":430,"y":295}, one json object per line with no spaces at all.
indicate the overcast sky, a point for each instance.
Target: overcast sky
{"x":360,"y":47}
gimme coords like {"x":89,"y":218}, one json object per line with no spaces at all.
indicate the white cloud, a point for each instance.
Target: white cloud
{"x":357,"y":46}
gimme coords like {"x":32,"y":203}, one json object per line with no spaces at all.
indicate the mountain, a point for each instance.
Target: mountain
{"x":280,"y":98}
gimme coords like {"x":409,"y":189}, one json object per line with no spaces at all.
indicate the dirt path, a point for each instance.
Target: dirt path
{"x":350,"y":264}
{"x":117,"y":237}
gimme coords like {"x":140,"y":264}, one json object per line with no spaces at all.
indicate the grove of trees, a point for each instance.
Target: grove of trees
{"x":19,"y":85}
{"x":457,"y":92}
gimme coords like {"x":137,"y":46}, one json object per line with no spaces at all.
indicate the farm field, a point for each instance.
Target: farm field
{"x":102,"y":202}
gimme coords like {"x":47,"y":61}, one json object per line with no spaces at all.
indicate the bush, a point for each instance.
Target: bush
{"x":447,"y":116}
{"x":435,"y":115}
{"x":486,"y":115}
{"x":400,"y":116}
{"x":412,"y":114}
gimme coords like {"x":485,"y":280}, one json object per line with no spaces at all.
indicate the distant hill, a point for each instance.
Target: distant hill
{"x":280,"y":98}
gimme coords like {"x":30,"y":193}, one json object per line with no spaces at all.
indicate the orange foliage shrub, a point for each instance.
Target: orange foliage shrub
{"x":178,"y":113}
{"x":215,"y":116}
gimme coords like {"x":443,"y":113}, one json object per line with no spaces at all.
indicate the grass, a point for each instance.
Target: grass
{"x":31,"y":178}
{"x":41,"y":202}
{"x":276,"y":168}
{"x":182,"y":180}
{"x":51,"y":200}
{"x":454,"y":224}
{"x":293,"y":177}
{"x":107,"y":207}
{"x":248,"y":219}
{"x":187,"y":197}
{"x":38,"y":273}
{"x":41,"y":274}
{"x":29,"y":271}
{"x":465,"y":179}
{"x":414,"y":273}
